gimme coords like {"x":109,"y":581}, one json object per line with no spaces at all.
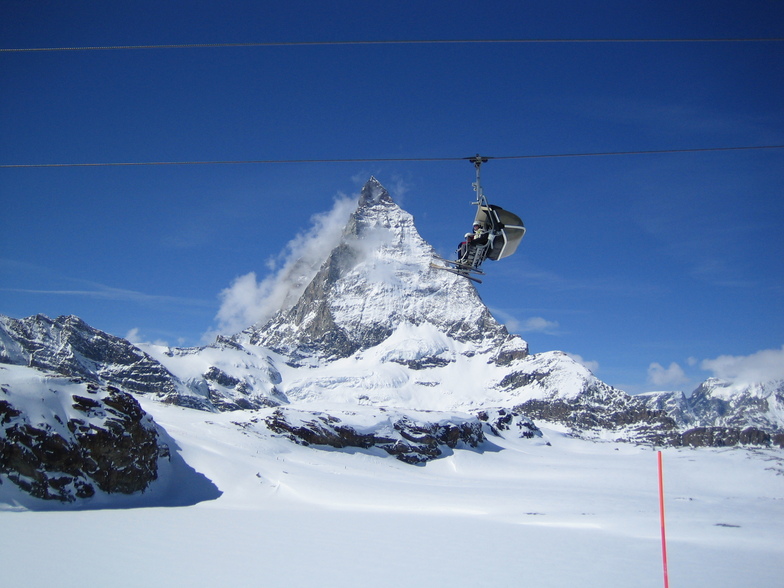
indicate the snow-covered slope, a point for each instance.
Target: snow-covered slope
{"x":551,"y":511}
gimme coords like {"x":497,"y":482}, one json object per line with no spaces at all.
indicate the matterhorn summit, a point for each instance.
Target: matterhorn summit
{"x":378,"y":282}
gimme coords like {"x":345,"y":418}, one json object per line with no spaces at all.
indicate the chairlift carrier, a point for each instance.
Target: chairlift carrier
{"x":504,"y":232}
{"x":506,"y":229}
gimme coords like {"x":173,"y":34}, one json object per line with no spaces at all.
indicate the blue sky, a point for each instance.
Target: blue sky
{"x":657,"y":270}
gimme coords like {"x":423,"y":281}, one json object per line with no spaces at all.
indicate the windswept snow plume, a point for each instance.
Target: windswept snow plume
{"x":243,"y":303}
{"x":764,"y":366}
{"x":249,"y":301}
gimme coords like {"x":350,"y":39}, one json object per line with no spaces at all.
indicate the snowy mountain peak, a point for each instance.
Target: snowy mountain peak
{"x":374,"y":193}
{"x":377,"y":279}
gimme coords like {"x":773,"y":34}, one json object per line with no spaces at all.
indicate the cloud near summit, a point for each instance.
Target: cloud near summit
{"x":766,"y":365}
{"x":248,"y":301}
{"x":763,"y":366}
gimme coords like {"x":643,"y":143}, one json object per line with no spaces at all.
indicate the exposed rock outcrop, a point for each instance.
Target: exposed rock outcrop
{"x":64,"y":440}
{"x":414,"y":437}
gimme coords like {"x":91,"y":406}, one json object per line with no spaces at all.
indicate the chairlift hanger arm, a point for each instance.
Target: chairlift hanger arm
{"x":478,"y":160}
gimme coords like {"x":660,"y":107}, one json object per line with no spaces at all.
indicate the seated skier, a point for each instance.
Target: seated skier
{"x":464,"y":247}
{"x":480,"y":235}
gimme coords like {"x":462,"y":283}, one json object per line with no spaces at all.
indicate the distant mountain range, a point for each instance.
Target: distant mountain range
{"x":376,"y":326}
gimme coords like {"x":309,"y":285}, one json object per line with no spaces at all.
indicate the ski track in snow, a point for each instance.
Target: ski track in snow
{"x":570,"y":513}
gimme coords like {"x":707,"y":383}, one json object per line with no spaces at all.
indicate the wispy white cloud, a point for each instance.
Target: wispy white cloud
{"x":673,"y":375}
{"x":532,"y":275}
{"x":102,"y":292}
{"x":762,"y":366}
{"x":537,"y":324}
{"x":510,"y":322}
{"x":531,"y":325}
{"x":398,"y":189}
{"x":249,"y":301}
{"x":245,"y":302}
{"x":591,"y":365}
{"x":134,"y":336}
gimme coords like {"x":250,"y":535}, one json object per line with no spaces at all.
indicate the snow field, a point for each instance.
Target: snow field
{"x":520,"y":513}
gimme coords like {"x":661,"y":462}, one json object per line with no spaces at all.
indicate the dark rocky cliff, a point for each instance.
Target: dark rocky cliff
{"x":82,"y":439}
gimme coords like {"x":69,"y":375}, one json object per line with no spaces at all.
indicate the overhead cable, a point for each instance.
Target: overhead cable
{"x":382,"y":42}
{"x":383,"y":159}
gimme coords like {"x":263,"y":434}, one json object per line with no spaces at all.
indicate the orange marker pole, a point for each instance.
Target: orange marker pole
{"x":661,"y":516}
